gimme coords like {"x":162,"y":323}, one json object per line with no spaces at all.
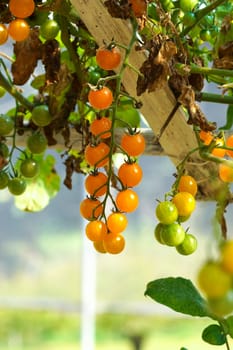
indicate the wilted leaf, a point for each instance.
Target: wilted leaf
{"x":51,"y":60}
{"x":118,"y":9}
{"x":27,"y":54}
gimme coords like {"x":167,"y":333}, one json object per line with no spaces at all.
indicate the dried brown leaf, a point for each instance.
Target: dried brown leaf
{"x":51,"y":60}
{"x":27,"y":54}
{"x":118,"y":8}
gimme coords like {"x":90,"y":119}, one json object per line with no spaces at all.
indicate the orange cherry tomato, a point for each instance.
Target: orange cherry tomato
{"x":185,"y":203}
{"x":18,"y":29}
{"x":3,"y":34}
{"x":117,"y":222}
{"x":114,"y":243}
{"x":22,"y":8}
{"x":108,"y":58}
{"x":229,"y":143}
{"x":187,"y":184}
{"x":91,"y":208}
{"x":100,"y":98}
{"x":127,"y":200}
{"x":130,"y":174}
{"x":97,"y":155}
{"x":138,"y":7}
{"x":96,"y":230}
{"x":206,"y":137}
{"x":101,"y":127}
{"x":225,"y":173}
{"x":99,"y":247}
{"x":134,"y":145}
{"x":96,"y":184}
{"x":219,"y":152}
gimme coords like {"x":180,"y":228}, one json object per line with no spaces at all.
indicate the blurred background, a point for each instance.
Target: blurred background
{"x":56,"y":292}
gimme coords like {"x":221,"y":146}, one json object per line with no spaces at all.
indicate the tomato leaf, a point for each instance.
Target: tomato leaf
{"x":229,"y":117}
{"x":214,"y":335}
{"x":178,"y":294}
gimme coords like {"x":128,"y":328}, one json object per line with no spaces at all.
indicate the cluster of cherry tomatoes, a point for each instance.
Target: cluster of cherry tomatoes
{"x":18,"y":29}
{"x":106,"y":224}
{"x":222,"y":148}
{"x":215,"y":279}
{"x":171,"y":214}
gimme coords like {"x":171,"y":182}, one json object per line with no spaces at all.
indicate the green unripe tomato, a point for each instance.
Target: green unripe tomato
{"x":4,"y":150}
{"x":17,"y":186}
{"x":29,"y":168}
{"x":37,"y":143}
{"x":157,"y":232}
{"x":41,"y":116}
{"x":166,"y":212}
{"x":188,"y":246}
{"x":49,"y":29}
{"x":2,"y":91}
{"x":173,"y":234}
{"x":188,"y":5}
{"x":6,"y":125}
{"x":4,"y":178}
{"x":189,"y":18}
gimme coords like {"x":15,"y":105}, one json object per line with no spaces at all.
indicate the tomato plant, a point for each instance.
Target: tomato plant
{"x":130,"y":174}
{"x":108,"y":58}
{"x":49,"y":29}
{"x":18,"y":29}
{"x":23,"y":9}
{"x":100,"y":98}
{"x":166,"y":212}
{"x":3,"y":34}
{"x":117,"y":222}
{"x":96,"y":184}
{"x":16,"y":186}
{"x":90,"y":208}
{"x":41,"y":115}
{"x":6,"y":125}
{"x":114,"y":243}
{"x":37,"y":143}
{"x":96,"y":230}
{"x":127,"y":200}
{"x":97,"y":155}
{"x":134,"y":145}
{"x":29,"y":168}
{"x":101,"y":127}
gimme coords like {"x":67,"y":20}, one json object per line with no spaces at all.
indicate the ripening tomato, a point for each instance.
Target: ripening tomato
{"x":3,"y":34}
{"x":166,"y":212}
{"x":138,"y":7}
{"x":206,"y":137}
{"x":101,"y":127}
{"x":217,"y":151}
{"x":96,"y":230}
{"x":97,"y":155}
{"x":114,"y":243}
{"x":117,"y":222}
{"x":99,"y":247}
{"x":100,"y":98}
{"x":22,"y":8}
{"x":91,"y":208}
{"x":134,"y":145}
{"x":18,"y":29}
{"x":108,"y":58}
{"x":184,"y":202}
{"x":229,"y":143}
{"x":130,"y":174}
{"x":225,"y":173}
{"x":187,"y":184}
{"x":127,"y":200}
{"x":49,"y":29}
{"x":96,"y":184}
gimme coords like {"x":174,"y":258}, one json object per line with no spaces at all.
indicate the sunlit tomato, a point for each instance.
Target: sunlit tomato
{"x":114,"y":243}
{"x":217,"y":151}
{"x":229,"y":143}
{"x":185,"y":203}
{"x":3,"y":34}
{"x":49,"y":29}
{"x":127,"y":200}
{"x":90,"y":208}
{"x":18,"y":29}
{"x":37,"y":143}
{"x":17,"y":186}
{"x":101,"y":127}
{"x":6,"y":125}
{"x":96,"y":230}
{"x":117,"y":222}
{"x":22,"y":8}
{"x":99,"y":247}
{"x":225,"y":173}
{"x":100,"y":98}
{"x":134,"y":145}
{"x":166,"y":212}
{"x":97,"y":155}
{"x":206,"y":137}
{"x":108,"y":58}
{"x":130,"y":174}
{"x":172,"y":235}
{"x":213,"y":280}
{"x":96,"y":184}
{"x":226,"y":256}
{"x":187,"y":184}
{"x":188,"y":246}
{"x":138,"y":7}
{"x":41,"y":115}
{"x":29,"y":167}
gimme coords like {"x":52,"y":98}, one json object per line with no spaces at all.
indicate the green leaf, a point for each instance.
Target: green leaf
{"x":214,"y":335}
{"x":229,"y":324}
{"x":38,"y":82}
{"x":229,"y":117}
{"x":178,"y":294}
